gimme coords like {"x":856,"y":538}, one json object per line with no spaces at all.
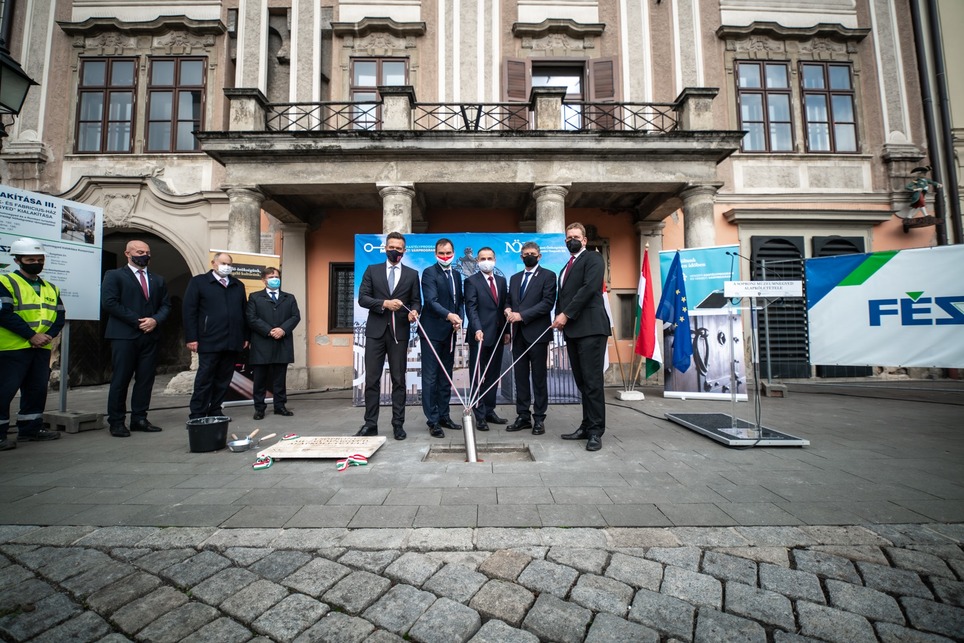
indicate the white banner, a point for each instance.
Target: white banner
{"x":72,"y":234}
{"x":895,"y":308}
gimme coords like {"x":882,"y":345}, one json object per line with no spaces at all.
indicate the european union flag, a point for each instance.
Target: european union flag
{"x":673,"y":309}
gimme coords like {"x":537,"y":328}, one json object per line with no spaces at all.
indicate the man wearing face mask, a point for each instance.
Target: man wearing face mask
{"x":532,"y":294}
{"x":391,"y":293}
{"x":581,"y":314}
{"x":272,"y":316}
{"x":441,"y":319}
{"x":31,"y":315}
{"x":485,"y":297}
{"x":215,"y":329}
{"x":136,"y":302}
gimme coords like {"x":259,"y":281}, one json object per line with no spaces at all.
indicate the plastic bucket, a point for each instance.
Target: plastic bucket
{"x":208,"y":434}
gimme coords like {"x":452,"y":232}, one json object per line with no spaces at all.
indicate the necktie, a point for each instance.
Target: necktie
{"x":140,"y":275}
{"x":495,"y":294}
{"x":274,"y":296}
{"x":565,"y":273}
{"x":224,"y":281}
{"x":525,"y":282}
{"x":391,"y":279}
{"x":448,"y":275}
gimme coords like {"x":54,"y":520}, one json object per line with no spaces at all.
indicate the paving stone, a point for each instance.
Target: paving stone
{"x":455,"y":582}
{"x":776,"y":536}
{"x":222,"y":630}
{"x":570,"y":537}
{"x":602,"y":594}
{"x":866,"y":553}
{"x":505,"y":564}
{"x":434,"y":539}
{"x":949,"y":591}
{"x":684,"y":557}
{"x":890,"y":633}
{"x":29,"y":591}
{"x":289,"y":618}
{"x":692,"y":587}
{"x":759,"y":604}
{"x":118,"y":536}
{"x":920,"y":562}
{"x":446,"y":621}
{"x":12,"y":532}
{"x":47,"y":614}
{"x":726,"y":628}
{"x":399,"y":608}
{"x":179,"y":623}
{"x":356,"y":591}
{"x":638,"y":572}
{"x":903,"y":535}
{"x":255,"y":537}
{"x":933,"y":617}
{"x":337,"y":628}
{"x":412,"y":568}
{"x":833,"y":535}
{"x":607,"y":628}
{"x":786,"y":637}
{"x":245,"y":556}
{"x":223,"y":585}
{"x":553,"y":619}
{"x":727,"y":567}
{"x":864,"y":601}
{"x":468,"y":559}
{"x":13,"y":575}
{"x":62,"y":564}
{"x":279,"y":564}
{"x":135,"y":615}
{"x":710,"y":536}
{"x":495,"y":631}
{"x":893,"y":581}
{"x":155,"y":561}
{"x":317,"y":577}
{"x":825,"y":564}
{"x":122,"y":592}
{"x":833,"y":624}
{"x":306,"y":539}
{"x":83,"y":628}
{"x":93,"y":580}
{"x":620,"y":537}
{"x":173,"y":537}
{"x":254,"y":600}
{"x":495,"y":538}
{"x":536,"y":553}
{"x":791,"y":583}
{"x":128,"y":553}
{"x":374,"y":539}
{"x":195,"y":569}
{"x":590,"y":561}
{"x":370,"y":561}
{"x":55,"y":535}
{"x":663,"y":613}
{"x":542,"y":576}
{"x":383,"y":636}
{"x":507,"y":602}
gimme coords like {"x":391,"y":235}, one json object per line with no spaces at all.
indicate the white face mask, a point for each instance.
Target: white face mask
{"x":486,"y":265}
{"x":224,"y":269}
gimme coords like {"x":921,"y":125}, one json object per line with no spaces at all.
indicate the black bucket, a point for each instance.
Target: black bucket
{"x":208,"y":434}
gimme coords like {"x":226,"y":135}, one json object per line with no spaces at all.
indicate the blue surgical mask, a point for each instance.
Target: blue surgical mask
{"x":274,"y":283}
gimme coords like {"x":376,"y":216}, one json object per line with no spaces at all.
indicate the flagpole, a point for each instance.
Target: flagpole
{"x":639,"y":367}
{"x":619,"y":360}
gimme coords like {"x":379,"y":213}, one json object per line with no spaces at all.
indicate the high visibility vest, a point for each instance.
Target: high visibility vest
{"x":38,"y":310}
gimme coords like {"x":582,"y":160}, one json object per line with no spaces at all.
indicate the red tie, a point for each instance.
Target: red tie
{"x":565,"y":273}
{"x":495,"y":294}
{"x":140,"y":275}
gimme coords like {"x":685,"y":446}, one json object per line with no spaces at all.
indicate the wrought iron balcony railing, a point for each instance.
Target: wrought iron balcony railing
{"x":620,"y":117}
{"x":479,"y":117}
{"x":326,"y":116}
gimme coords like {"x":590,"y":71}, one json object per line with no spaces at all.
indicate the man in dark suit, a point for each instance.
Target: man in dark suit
{"x":215,"y":329}
{"x":441,"y":319}
{"x":136,"y":303}
{"x":391,"y":293}
{"x":581,"y":314}
{"x":532,"y":294}
{"x":485,"y":301}
{"x":272,"y":316}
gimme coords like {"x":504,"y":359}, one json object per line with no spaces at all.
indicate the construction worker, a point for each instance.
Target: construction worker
{"x":31,"y":315}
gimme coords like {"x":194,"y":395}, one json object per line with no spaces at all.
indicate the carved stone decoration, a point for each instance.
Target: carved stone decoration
{"x":118,"y":209}
{"x":823,"y":48}
{"x":380,"y":42}
{"x":558,"y":42}
{"x":181,"y":42}
{"x":109,"y":44}
{"x":759,"y":45}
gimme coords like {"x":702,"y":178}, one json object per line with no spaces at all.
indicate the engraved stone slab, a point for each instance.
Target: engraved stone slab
{"x":325,"y":447}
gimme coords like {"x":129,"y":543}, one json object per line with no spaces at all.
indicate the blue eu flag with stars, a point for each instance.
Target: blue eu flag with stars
{"x":673,"y":309}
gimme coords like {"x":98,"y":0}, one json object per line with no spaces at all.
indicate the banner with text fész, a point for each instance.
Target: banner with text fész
{"x":894,"y":308}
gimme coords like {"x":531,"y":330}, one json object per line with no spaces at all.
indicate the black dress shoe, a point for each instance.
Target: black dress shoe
{"x":447,"y":423}
{"x":594,"y":443}
{"x":144,"y":425}
{"x":481,"y":425}
{"x":436,"y":431}
{"x":259,"y":415}
{"x":519,"y":424}
{"x":399,"y":433}
{"x":578,"y":434}
{"x":367,"y":431}
{"x":283,"y":411}
{"x":120,"y":431}
{"x":495,"y":419}
{"x":538,"y":428}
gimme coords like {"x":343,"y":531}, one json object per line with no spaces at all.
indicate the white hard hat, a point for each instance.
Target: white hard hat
{"x":27,"y":246}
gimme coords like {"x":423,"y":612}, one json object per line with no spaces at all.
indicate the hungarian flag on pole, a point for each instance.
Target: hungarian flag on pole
{"x":646,"y":344}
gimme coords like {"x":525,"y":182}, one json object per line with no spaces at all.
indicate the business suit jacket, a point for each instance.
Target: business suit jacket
{"x":437,"y":302}
{"x":485,"y":313}
{"x":373,"y":291}
{"x":263,"y":314}
{"x":214,"y":316}
{"x":123,"y":300}
{"x":580,"y":297}
{"x":535,"y":305}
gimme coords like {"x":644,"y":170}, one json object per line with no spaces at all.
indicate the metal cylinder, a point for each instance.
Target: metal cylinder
{"x":468,"y":428}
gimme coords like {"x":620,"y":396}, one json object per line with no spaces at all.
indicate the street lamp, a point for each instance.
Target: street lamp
{"x":14,"y":81}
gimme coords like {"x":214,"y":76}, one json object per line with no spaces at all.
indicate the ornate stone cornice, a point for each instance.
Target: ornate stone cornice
{"x":566,"y":27}
{"x":367,"y":26}
{"x":834,"y":32}
{"x":161,"y":25}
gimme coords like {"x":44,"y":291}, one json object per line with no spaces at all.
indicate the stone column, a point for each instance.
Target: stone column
{"x":294,"y":266}
{"x":396,"y":207}
{"x":698,"y":225}
{"x":244,"y":219}
{"x":551,"y":207}
{"x":251,"y":69}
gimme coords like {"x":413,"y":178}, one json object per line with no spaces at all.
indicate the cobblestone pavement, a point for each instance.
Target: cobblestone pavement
{"x":890,"y":583}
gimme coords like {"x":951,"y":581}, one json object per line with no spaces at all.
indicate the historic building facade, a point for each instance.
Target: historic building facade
{"x":288,"y":126}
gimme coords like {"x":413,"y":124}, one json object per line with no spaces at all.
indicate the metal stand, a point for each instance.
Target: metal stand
{"x":468,"y":428}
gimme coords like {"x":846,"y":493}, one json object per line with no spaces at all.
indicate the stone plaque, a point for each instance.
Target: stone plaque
{"x":324,"y":447}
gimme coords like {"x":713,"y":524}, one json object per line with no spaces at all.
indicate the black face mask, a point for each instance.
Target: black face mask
{"x":394,"y":255}
{"x":141,"y":260}
{"x":573,"y":245}
{"x":32,"y":268}
{"x":530,"y":261}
